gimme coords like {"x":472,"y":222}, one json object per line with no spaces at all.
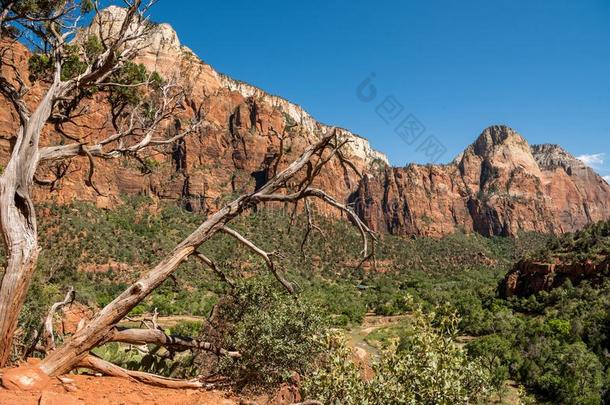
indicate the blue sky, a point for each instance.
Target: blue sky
{"x":541,"y":67}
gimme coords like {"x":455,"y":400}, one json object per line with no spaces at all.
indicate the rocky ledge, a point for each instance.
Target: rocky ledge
{"x":528,"y":278}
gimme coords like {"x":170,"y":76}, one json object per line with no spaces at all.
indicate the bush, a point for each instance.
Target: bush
{"x":493,"y":352}
{"x":276,"y":334}
{"x":181,"y":365}
{"x":426,"y":368}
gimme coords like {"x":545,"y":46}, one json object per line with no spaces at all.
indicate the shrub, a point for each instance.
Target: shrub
{"x":426,"y":368}
{"x":275,"y":333}
{"x":493,"y":352}
{"x":179,"y":366}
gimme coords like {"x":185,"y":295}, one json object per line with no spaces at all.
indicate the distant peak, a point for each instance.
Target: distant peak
{"x":494,"y":136}
{"x":551,"y":148}
{"x":551,"y":156}
{"x":158,"y":37}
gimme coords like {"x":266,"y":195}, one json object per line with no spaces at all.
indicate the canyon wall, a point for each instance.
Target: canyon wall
{"x":499,"y":185}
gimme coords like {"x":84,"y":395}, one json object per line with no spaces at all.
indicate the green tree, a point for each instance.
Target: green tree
{"x":493,"y":352}
{"x":275,"y":334}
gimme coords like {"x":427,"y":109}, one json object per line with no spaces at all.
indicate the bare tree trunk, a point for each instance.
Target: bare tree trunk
{"x":107,"y":368}
{"x":20,"y":239}
{"x":100,"y":328}
{"x":172,"y":342}
{"x":17,"y":216}
{"x":18,"y":222}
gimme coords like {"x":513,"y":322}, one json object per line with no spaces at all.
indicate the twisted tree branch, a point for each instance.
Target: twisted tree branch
{"x":266,"y":257}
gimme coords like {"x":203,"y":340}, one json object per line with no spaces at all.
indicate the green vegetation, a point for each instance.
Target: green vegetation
{"x":41,"y":65}
{"x":426,"y":368}
{"x":126,"y":89}
{"x":555,"y":344}
{"x":275,"y":334}
{"x":591,"y":243}
{"x":131,"y":73}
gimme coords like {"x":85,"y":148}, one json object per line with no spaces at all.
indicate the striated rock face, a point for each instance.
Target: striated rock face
{"x":231,"y":154}
{"x":498,"y":186}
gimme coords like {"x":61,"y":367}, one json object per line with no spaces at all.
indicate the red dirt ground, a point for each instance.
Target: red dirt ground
{"x":90,"y":390}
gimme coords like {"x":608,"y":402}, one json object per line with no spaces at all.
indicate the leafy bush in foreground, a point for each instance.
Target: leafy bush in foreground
{"x":427,"y":367}
{"x":275,"y":333}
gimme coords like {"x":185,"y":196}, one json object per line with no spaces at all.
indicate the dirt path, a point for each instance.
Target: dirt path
{"x":357,"y":335}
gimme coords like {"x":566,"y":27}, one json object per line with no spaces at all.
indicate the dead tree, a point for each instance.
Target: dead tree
{"x":50,"y":28}
{"x":302,"y":172}
{"x":294,"y":184}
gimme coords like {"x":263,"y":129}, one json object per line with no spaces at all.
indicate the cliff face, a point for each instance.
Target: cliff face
{"x":229,"y":155}
{"x":577,"y":257}
{"x":528,"y":278}
{"x":498,"y":186}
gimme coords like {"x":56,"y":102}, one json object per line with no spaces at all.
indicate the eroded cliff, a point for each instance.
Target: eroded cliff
{"x":499,"y":185}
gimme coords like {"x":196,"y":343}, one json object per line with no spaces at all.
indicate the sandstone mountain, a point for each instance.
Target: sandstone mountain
{"x":498,"y":186}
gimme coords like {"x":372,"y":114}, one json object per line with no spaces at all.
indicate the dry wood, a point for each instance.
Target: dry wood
{"x":47,"y":335}
{"x":210,"y":263}
{"x":310,"y":402}
{"x":100,"y":328}
{"x":60,"y":105}
{"x":17,"y":213}
{"x":171,"y":342}
{"x":95,"y":363}
{"x":266,"y":257}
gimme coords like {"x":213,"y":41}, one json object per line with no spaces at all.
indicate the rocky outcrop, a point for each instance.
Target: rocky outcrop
{"x":231,"y":153}
{"x":499,"y":185}
{"x":528,"y":278}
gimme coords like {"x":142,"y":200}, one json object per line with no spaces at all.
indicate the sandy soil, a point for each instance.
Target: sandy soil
{"x":90,"y":390}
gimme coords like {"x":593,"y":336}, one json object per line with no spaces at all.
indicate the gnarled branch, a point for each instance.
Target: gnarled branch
{"x":107,"y":368}
{"x":47,"y":335}
{"x":365,"y":231}
{"x":100,"y":328}
{"x":210,"y":263}
{"x":171,"y":342}
{"x":266,"y":257}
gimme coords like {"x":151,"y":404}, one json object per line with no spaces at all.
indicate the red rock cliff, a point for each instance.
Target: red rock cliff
{"x":498,"y":186}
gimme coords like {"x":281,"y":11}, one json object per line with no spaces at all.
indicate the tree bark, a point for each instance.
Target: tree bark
{"x":17,"y":215}
{"x":107,"y":368}
{"x":100,"y":328}
{"x":18,"y":222}
{"x":172,"y":342}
